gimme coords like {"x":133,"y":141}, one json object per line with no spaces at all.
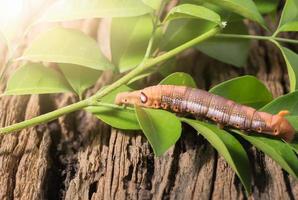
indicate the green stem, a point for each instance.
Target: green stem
{"x":46,"y":117}
{"x":125,"y":79}
{"x":155,"y":27}
{"x":150,"y":45}
{"x":285,"y":40}
{"x":257,"y":37}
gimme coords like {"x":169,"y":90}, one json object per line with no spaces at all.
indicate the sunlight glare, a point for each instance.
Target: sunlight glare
{"x":10,"y":10}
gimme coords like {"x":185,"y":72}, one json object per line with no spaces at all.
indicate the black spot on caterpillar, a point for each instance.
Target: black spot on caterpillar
{"x":203,"y":104}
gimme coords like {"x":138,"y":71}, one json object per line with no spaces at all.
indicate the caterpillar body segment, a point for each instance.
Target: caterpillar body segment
{"x":203,"y":104}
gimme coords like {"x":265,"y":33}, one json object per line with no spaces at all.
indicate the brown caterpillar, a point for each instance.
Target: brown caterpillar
{"x":223,"y":111}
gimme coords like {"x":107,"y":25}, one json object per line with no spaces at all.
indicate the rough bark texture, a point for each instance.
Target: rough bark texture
{"x":79,"y":157}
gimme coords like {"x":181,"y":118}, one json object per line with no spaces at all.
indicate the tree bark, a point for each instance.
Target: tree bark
{"x":79,"y":157}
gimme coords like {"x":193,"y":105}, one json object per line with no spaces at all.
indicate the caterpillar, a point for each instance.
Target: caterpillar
{"x":224,"y":112}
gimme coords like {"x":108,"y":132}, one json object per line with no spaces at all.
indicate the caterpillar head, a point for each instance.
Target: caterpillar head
{"x":139,"y":97}
{"x":127,"y":98}
{"x":282,"y":127}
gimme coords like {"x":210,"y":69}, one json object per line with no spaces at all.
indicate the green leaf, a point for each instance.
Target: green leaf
{"x":278,"y":150}
{"x":155,"y":4}
{"x":289,"y":17}
{"x":73,"y":9}
{"x":116,"y":116}
{"x":63,"y":45}
{"x":182,"y":30}
{"x":246,"y":8}
{"x":291,"y":59}
{"x":267,"y":6}
{"x":161,"y":128}
{"x":36,"y":79}
{"x":286,"y":102}
{"x":293,"y":119}
{"x":227,"y":146}
{"x":291,"y":26}
{"x":179,"y":78}
{"x":193,"y":11}
{"x":80,"y":78}
{"x":129,"y":40}
{"x":246,"y":90}
{"x":294,"y":145}
{"x":225,"y":14}
{"x":233,"y":51}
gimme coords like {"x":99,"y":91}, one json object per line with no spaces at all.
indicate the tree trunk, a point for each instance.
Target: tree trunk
{"x":79,"y":157}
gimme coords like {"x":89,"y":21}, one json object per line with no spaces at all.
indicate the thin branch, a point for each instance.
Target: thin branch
{"x":45,"y":117}
{"x":257,"y":37}
{"x":155,"y":27}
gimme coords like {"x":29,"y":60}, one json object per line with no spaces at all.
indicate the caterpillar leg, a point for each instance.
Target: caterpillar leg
{"x":221,"y":126}
{"x":283,"y":113}
{"x":181,"y":114}
{"x":197,"y":117}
